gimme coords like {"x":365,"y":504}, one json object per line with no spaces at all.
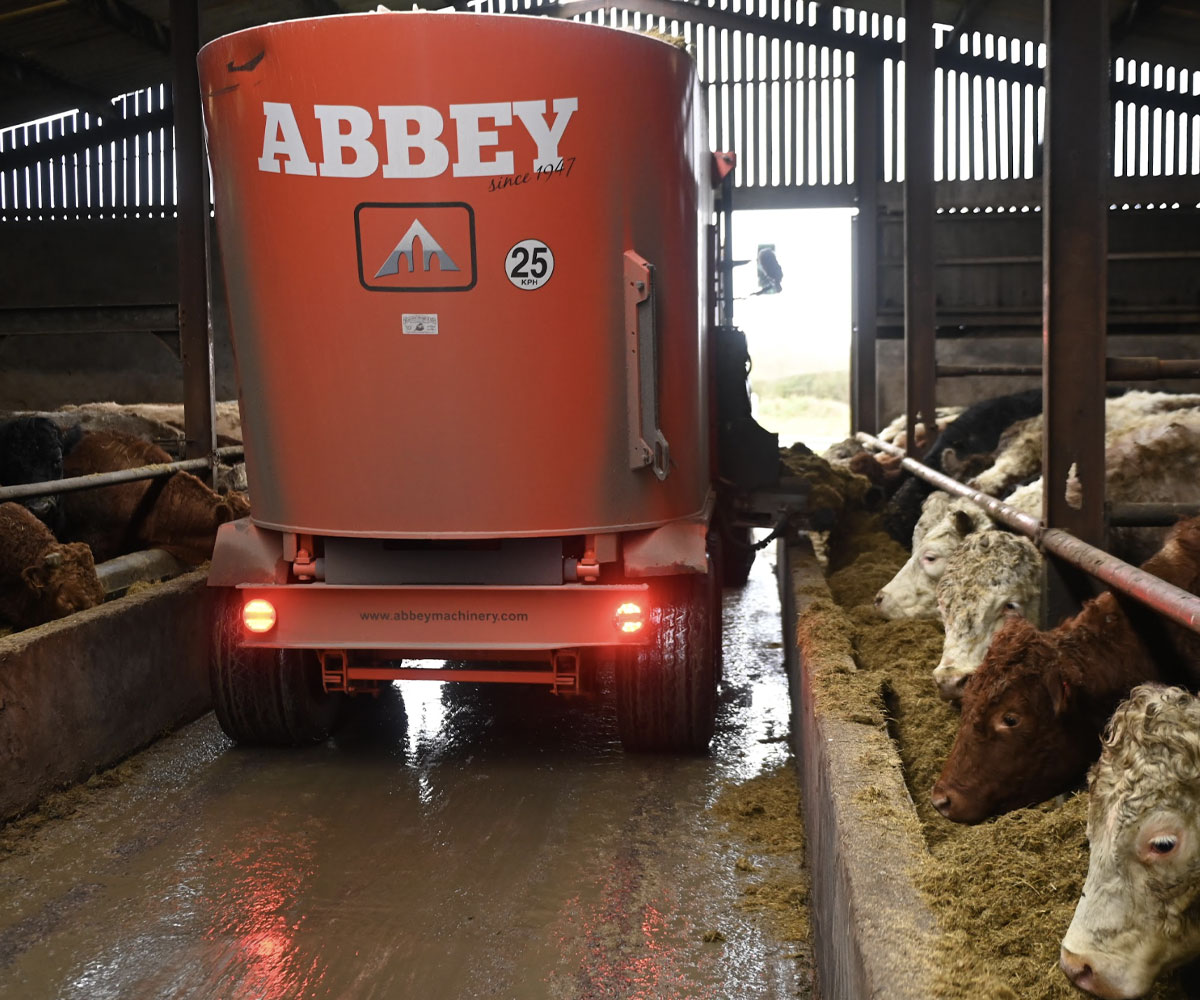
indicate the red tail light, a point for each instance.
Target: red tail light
{"x":258,"y":615}
{"x":629,"y":618}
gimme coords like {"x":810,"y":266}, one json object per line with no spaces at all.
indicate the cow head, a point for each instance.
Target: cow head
{"x":31,"y":451}
{"x":1021,"y":738}
{"x":1138,"y":913}
{"x":62,"y":582}
{"x":233,"y":505}
{"x":840,"y":452}
{"x":944,"y":523}
{"x":993,"y":575}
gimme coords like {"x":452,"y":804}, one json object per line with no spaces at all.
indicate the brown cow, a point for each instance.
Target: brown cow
{"x":1032,"y":714}
{"x":177,"y":513}
{"x":882,"y":470}
{"x":41,"y":580}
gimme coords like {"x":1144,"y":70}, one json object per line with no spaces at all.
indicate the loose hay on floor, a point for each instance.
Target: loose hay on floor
{"x":15,"y":833}
{"x":1003,"y":892}
{"x":764,"y":813}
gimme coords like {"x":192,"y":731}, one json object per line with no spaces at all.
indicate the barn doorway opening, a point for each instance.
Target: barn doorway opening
{"x":799,"y":336}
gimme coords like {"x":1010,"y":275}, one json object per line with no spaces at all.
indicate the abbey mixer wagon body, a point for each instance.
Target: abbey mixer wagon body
{"x":468,"y":267}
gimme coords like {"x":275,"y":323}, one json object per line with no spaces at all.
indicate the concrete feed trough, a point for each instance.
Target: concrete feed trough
{"x":873,"y":933}
{"x":906,"y":903}
{"x":80,"y":693}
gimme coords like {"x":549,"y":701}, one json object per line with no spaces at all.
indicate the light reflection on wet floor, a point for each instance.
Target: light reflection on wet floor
{"x":455,"y":842}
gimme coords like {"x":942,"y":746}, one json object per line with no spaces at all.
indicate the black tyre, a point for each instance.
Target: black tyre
{"x":716,"y":577}
{"x":737,"y":555}
{"x":667,"y":689}
{"x":267,"y":697}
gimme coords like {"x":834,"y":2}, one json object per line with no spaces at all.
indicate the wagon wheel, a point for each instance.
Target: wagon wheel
{"x":667,"y":689}
{"x":269,"y":697}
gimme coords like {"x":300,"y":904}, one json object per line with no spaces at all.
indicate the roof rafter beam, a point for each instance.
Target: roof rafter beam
{"x":967,"y":16}
{"x":25,"y":72}
{"x":128,"y":20}
{"x":1126,"y":24}
{"x":946,"y":57}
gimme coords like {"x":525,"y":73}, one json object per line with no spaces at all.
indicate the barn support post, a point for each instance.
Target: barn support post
{"x":1075,"y":286}
{"x":195,"y":329}
{"x":920,"y":387}
{"x":868,"y":128}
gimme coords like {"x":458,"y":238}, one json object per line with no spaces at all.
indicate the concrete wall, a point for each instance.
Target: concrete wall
{"x":889,"y":356}
{"x":81,"y":693}
{"x":988,"y":282}
{"x":121,"y":262}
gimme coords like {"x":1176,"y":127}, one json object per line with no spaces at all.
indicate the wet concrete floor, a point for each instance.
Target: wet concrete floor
{"x":456,"y":843}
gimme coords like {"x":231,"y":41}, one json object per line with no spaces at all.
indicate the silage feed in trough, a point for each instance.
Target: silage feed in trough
{"x":1003,"y":892}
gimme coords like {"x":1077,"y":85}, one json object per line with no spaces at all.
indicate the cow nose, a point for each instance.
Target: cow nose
{"x":940,"y":800}
{"x":41,"y":506}
{"x":879,"y":601}
{"x":1076,"y":969}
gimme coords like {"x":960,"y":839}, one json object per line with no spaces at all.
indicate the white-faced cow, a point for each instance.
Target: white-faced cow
{"x":992,"y":576}
{"x":1139,"y":913}
{"x":944,"y":523}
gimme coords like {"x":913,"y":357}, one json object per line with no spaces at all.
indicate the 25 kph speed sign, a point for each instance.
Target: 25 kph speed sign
{"x":529,"y":264}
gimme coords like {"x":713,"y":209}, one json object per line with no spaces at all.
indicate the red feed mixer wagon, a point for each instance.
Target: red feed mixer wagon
{"x":469,"y":267}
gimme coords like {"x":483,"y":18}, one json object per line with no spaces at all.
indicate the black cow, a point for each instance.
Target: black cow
{"x":31,"y":451}
{"x":976,"y":430}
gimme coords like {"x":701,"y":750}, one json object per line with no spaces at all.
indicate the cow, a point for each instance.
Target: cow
{"x":976,"y":430}
{"x":993,"y":575}
{"x":880,"y":470}
{"x":177,"y":513}
{"x":41,"y":579}
{"x":1033,"y":712}
{"x":1137,"y":915}
{"x":1157,"y":457}
{"x":1019,"y":452}
{"x":896,"y":433}
{"x":31,"y":451}
{"x":161,"y":423}
{"x":944,"y":523}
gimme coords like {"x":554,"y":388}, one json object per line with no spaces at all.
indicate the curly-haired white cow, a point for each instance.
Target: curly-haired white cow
{"x":1155,"y":459}
{"x":1138,"y":914}
{"x":944,"y":523}
{"x":991,"y":576}
{"x":1019,"y":450}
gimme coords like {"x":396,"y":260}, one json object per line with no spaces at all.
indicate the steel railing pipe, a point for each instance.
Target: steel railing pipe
{"x":74,"y":483}
{"x":1141,"y":515}
{"x":1115,"y":370}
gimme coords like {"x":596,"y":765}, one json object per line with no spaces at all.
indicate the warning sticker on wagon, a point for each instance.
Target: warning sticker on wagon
{"x":420,"y":322}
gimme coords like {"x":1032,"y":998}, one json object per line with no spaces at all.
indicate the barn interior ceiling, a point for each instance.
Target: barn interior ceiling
{"x":56,"y":55}
{"x":1166,"y":31}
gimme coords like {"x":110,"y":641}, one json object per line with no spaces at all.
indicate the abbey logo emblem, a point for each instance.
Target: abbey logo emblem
{"x":415,"y":246}
{"x":406,"y":251}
